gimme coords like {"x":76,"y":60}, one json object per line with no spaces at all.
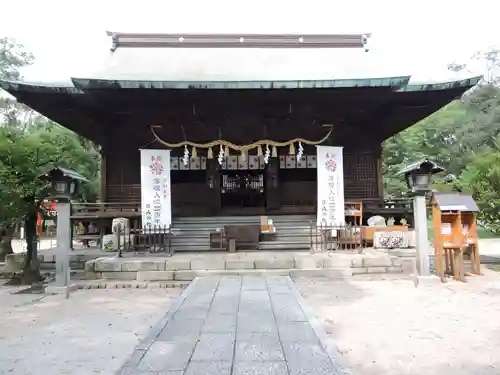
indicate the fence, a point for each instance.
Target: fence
{"x":154,"y":239}
{"x":336,"y":237}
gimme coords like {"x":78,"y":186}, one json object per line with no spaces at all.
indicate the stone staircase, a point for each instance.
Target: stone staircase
{"x":193,"y":233}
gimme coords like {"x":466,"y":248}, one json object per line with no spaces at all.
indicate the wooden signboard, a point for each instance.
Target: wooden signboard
{"x":455,"y":234}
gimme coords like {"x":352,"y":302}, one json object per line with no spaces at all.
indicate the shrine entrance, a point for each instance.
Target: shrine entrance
{"x":242,"y":189}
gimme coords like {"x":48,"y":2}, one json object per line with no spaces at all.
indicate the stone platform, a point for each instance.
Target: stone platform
{"x":186,"y":267}
{"x":237,"y":326}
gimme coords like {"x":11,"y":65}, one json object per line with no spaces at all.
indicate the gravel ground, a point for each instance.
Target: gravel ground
{"x":93,"y":332}
{"x":390,"y":327}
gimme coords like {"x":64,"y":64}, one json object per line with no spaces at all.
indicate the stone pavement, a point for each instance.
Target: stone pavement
{"x":233,"y":325}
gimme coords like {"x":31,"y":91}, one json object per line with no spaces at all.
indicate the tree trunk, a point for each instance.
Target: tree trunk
{"x":31,"y":272}
{"x":6,"y":242}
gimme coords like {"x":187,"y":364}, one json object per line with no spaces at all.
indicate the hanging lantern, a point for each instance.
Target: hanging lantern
{"x":292,"y":149}
{"x":193,"y":153}
{"x":275,"y":152}
{"x":259,"y":150}
{"x":210,"y":154}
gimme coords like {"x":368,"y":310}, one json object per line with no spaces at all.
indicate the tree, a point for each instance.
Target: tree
{"x":12,"y":59}
{"x":455,"y":134}
{"x":482,"y":179}
{"x":25,"y":155}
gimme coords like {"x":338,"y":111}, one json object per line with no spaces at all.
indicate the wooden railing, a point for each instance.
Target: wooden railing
{"x":90,"y":210}
{"x":402,"y":205}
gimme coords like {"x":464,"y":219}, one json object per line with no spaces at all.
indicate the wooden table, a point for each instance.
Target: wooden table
{"x":237,"y":235}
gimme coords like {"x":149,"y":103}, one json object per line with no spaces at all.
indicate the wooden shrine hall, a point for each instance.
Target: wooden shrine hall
{"x":228,"y":91}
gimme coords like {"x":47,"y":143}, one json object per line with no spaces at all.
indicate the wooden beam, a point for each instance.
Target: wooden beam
{"x":144,"y":40}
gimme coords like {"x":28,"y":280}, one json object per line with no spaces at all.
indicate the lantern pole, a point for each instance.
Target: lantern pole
{"x":421,"y":232}
{"x":63,"y":244}
{"x":64,"y":183}
{"x":418,"y":177}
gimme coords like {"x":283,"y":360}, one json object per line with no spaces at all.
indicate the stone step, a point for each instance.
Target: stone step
{"x":281,"y":246}
{"x":185,"y":266}
{"x":188,"y":275}
{"x":221,"y":221}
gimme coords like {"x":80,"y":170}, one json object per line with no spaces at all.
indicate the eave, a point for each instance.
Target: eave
{"x":95,"y":84}
{"x":78,"y":107}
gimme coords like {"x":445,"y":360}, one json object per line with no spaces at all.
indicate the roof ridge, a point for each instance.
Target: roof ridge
{"x":237,"y":40}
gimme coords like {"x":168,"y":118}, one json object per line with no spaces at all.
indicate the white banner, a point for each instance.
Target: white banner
{"x":156,"y":201}
{"x":330,"y":166}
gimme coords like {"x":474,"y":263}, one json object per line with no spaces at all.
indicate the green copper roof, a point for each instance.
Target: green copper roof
{"x":86,"y":84}
{"x":80,"y":85}
{"x":63,"y":88}
{"x":464,"y":83}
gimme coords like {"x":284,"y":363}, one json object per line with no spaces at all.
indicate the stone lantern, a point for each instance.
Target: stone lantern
{"x":418,"y":177}
{"x":418,"y":174}
{"x":64,"y":185}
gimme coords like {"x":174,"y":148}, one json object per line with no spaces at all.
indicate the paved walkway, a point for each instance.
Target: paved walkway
{"x":237,"y":326}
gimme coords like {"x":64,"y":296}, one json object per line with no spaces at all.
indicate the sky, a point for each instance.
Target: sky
{"x":419,"y":38}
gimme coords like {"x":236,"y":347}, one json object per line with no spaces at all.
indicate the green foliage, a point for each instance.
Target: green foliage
{"x":30,"y":146}
{"x":462,"y":137}
{"x":12,"y":58}
{"x":26,"y":155}
{"x":482,"y":177}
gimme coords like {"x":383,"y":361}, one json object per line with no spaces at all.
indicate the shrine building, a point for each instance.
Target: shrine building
{"x":220,"y":95}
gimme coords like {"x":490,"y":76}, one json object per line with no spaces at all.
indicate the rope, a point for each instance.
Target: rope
{"x":221,"y":142}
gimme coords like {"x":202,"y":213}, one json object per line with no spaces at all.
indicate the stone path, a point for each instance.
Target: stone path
{"x":237,"y":326}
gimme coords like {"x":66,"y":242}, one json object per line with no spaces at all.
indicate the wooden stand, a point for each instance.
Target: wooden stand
{"x":455,"y":235}
{"x":353,"y":212}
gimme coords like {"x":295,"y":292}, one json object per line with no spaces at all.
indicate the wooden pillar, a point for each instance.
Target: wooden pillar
{"x":214,"y":199}
{"x":273,"y":201}
{"x":104,"y":187}
{"x":380,"y":178}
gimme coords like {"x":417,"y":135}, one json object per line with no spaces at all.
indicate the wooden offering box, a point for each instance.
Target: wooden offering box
{"x":455,"y":234}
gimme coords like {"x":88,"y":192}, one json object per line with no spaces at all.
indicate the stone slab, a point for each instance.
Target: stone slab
{"x":192,"y":274}
{"x":377,"y":261}
{"x":108,"y":265}
{"x":155,"y":275}
{"x":339,"y":273}
{"x":308,"y":262}
{"x":376,"y":269}
{"x":237,"y":325}
{"x":280,"y":262}
{"x":208,"y":263}
{"x":359,"y":271}
{"x":177,"y":265}
{"x":129,"y":275}
{"x":338,"y":261}
{"x":143,"y":265}
{"x":239,"y":264}
{"x":260,"y":368}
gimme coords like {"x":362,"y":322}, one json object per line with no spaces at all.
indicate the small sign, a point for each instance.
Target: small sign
{"x":446,"y":228}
